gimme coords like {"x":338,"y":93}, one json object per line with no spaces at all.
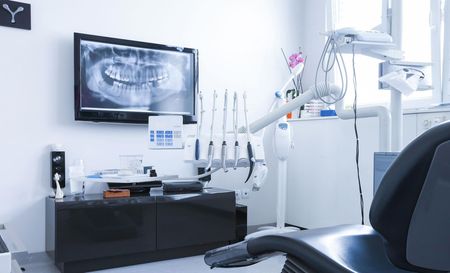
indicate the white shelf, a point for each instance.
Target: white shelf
{"x":312,"y":118}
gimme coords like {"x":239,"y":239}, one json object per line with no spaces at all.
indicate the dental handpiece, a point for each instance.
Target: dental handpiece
{"x":237,"y":148}
{"x":211,"y":142}
{"x":249,"y":143}
{"x":199,"y":128}
{"x":224,"y":133}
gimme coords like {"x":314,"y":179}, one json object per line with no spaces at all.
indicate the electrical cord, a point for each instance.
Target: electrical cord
{"x":331,"y":56}
{"x":355,"y":111}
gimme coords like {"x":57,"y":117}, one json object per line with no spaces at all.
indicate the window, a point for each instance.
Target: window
{"x":445,"y":38}
{"x":420,"y":42}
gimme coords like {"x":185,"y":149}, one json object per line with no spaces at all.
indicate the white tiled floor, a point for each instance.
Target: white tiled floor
{"x":185,"y":265}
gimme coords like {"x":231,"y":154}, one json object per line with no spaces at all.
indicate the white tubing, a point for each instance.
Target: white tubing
{"x":384,"y":118}
{"x":280,"y":112}
{"x":322,"y":90}
{"x":312,"y":93}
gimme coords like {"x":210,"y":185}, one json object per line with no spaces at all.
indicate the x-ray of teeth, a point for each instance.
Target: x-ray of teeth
{"x":121,"y":77}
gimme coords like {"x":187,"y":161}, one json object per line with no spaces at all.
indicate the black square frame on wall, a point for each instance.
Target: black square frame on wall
{"x":15,"y":14}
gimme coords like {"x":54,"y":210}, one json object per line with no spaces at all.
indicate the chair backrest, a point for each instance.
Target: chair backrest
{"x":400,"y":190}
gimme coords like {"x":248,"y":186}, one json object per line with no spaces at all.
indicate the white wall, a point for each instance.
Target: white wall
{"x":239,"y":44}
{"x":314,"y":21}
{"x":323,"y":186}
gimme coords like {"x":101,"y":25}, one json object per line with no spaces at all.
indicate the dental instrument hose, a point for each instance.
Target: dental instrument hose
{"x":355,"y":111}
{"x":224,"y":133}
{"x":237,"y":148}
{"x":211,"y":140}
{"x":251,"y":157}
{"x":331,"y":56}
{"x":199,"y":128}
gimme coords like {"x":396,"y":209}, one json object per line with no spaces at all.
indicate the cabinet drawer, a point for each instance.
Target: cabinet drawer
{"x":189,"y":220}
{"x":104,"y":230}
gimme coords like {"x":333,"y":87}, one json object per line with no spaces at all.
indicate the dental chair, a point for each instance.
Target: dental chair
{"x":410,"y":217}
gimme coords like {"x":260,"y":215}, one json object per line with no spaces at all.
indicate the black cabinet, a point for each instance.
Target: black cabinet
{"x":89,"y":233}
{"x":99,"y":229}
{"x":190,"y":219}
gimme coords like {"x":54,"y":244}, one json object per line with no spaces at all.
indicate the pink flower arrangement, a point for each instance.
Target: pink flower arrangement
{"x":295,"y":59}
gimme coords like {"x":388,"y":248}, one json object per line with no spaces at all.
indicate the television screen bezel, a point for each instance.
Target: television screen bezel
{"x":124,"y":116}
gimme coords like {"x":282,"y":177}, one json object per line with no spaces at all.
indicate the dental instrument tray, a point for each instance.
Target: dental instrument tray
{"x":117,"y":178}
{"x":137,"y":184}
{"x":182,"y":187}
{"x":136,"y":188}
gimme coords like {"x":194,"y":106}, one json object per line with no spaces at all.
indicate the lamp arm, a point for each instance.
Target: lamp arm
{"x":322,"y":90}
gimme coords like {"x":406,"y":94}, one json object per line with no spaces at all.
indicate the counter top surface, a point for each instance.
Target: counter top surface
{"x":154,"y":193}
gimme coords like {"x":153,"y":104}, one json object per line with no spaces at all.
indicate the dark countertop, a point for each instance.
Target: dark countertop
{"x":89,"y":199}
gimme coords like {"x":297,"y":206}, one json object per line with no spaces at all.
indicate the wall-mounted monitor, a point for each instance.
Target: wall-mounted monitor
{"x":120,"y":80}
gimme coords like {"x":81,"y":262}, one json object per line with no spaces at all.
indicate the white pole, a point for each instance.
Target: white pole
{"x":435,"y":39}
{"x":446,"y":64}
{"x":384,"y":121}
{"x":397,"y":120}
{"x":396,"y":96}
{"x":282,"y":188}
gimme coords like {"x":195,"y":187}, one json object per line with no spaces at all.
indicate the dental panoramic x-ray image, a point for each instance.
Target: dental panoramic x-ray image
{"x":126,"y":78}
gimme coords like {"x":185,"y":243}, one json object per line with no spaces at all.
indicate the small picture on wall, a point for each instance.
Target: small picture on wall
{"x":118,"y":77}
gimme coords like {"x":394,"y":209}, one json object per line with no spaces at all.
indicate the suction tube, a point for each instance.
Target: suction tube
{"x":384,"y":118}
{"x":322,"y":90}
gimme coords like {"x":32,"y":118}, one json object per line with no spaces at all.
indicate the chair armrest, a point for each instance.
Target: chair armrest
{"x":235,"y":255}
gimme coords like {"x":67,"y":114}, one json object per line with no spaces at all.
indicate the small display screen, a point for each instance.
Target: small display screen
{"x":123,"y":78}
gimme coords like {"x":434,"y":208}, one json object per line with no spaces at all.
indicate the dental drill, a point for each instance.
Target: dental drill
{"x":199,"y":128}
{"x":249,"y":141}
{"x":211,"y":141}
{"x":237,"y":148}
{"x":224,"y":133}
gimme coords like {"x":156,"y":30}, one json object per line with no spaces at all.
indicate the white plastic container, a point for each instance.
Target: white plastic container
{"x":76,"y":172}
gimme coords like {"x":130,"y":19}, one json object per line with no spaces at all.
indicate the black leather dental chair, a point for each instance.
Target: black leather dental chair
{"x":410,"y":217}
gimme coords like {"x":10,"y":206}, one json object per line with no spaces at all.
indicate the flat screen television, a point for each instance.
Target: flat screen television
{"x":126,"y":81}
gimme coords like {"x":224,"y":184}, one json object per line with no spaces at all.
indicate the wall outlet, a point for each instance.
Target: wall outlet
{"x":245,"y":194}
{"x":242,"y":194}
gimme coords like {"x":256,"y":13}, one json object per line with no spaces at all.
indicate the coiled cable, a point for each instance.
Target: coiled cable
{"x":331,"y":56}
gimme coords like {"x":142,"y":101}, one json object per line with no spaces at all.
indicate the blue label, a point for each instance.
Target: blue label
{"x":283,"y":126}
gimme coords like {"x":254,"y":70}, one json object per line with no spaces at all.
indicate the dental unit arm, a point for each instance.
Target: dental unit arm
{"x":237,"y":255}
{"x":322,"y":90}
{"x":373,"y":44}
